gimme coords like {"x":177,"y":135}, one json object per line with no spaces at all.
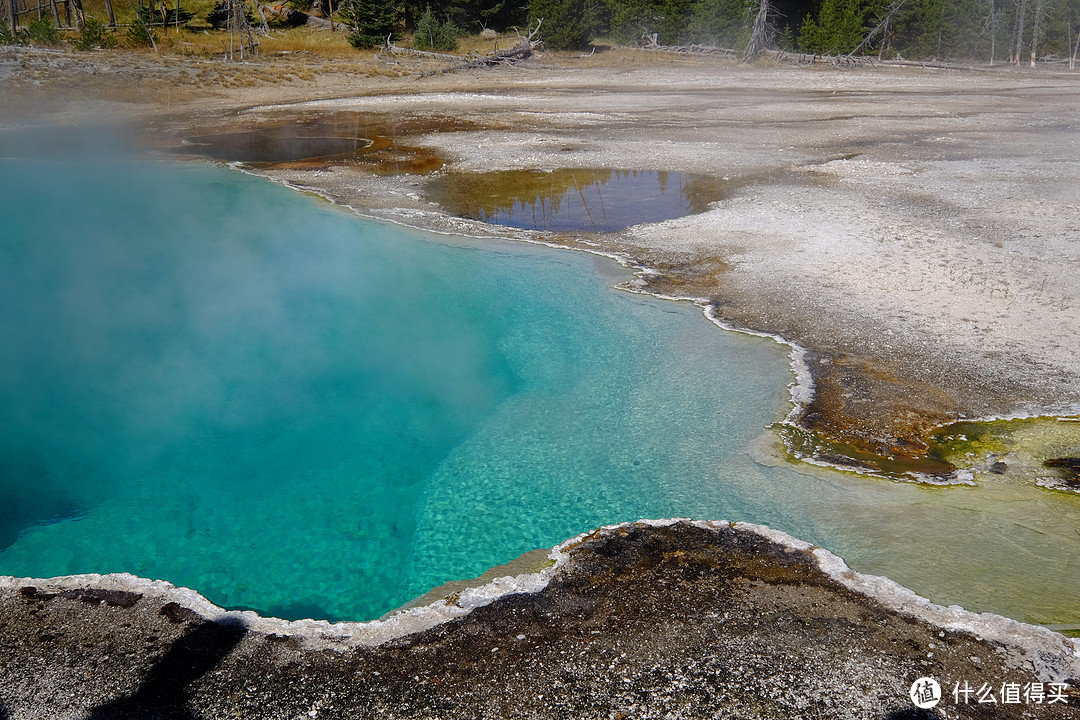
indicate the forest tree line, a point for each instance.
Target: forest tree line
{"x":986,"y":30}
{"x":995,"y":31}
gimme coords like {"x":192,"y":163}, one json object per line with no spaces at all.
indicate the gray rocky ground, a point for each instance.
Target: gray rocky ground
{"x":635,"y":621}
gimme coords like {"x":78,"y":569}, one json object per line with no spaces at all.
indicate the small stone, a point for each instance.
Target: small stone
{"x":32,"y":593}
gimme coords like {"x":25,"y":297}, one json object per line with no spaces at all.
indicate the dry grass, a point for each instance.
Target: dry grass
{"x":197,"y":39}
{"x":477,"y":44}
{"x":288,"y":55}
{"x":282,"y":41}
{"x":323,"y":43}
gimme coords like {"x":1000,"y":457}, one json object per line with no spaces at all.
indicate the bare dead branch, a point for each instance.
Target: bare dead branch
{"x":649,"y":43}
{"x":759,"y":38}
{"x":893,"y":9}
{"x":833,"y":60}
{"x":521,"y":51}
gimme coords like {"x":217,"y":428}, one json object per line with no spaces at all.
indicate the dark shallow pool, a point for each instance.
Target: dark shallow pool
{"x":575,"y":199}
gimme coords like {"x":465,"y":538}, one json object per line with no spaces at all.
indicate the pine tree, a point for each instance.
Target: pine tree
{"x":838,"y":28}
{"x":370,"y":22}
{"x":470,"y":14}
{"x":431,"y":34}
{"x":718,"y":22}
{"x":568,"y":24}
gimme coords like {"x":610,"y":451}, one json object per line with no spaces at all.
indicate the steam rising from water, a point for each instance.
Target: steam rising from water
{"x":193,"y":340}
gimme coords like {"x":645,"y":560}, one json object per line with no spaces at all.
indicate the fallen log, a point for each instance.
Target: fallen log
{"x":834,"y":60}
{"x":389,"y":47}
{"x":649,"y":42}
{"x":523,"y":50}
{"x":295,"y":18}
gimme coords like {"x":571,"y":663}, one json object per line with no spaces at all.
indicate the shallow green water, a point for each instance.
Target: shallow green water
{"x":213,"y":380}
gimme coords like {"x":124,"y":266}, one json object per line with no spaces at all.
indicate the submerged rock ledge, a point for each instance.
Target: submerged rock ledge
{"x":668,"y":618}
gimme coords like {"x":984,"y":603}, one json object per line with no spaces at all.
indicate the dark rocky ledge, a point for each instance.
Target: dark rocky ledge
{"x":646,"y":620}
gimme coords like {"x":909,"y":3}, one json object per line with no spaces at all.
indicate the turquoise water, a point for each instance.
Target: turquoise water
{"x":214,"y":380}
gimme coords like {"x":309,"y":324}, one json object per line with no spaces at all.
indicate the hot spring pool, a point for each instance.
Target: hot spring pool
{"x":213,"y":380}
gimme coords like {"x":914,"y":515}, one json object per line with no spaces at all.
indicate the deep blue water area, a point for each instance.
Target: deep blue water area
{"x":220,"y":382}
